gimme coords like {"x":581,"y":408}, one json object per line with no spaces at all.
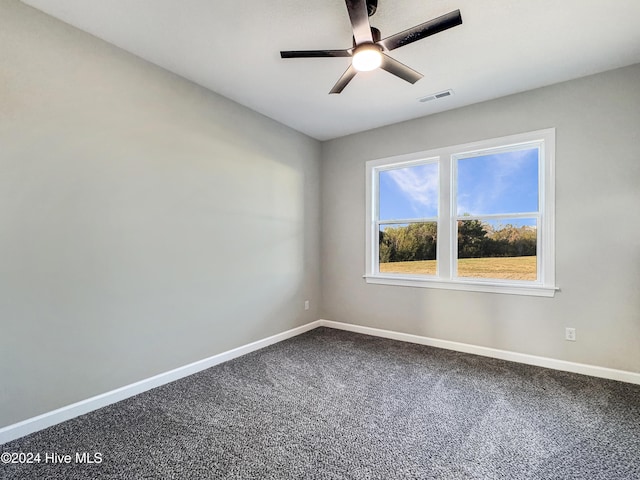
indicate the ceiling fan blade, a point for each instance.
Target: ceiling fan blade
{"x":359,"y":17}
{"x":399,"y":69}
{"x":421,"y":31}
{"x":314,"y":53}
{"x":346,"y":77}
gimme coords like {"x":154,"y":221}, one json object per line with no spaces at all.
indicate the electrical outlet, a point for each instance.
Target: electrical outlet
{"x":570,"y":334}
{"x":306,"y":304}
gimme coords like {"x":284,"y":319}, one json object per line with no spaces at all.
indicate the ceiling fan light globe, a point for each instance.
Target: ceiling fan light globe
{"x":366,"y":58}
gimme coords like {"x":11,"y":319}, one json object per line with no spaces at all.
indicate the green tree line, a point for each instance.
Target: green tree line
{"x":417,"y":241}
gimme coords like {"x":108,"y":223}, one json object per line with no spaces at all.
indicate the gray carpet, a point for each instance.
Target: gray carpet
{"x":336,"y":405}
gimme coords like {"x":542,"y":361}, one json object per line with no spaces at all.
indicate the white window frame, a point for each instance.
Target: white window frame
{"x":446,"y":250}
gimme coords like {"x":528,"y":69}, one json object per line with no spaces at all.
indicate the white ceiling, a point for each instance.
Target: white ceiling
{"x":232,"y":47}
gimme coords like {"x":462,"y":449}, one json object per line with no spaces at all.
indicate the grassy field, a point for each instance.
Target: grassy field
{"x":506,"y":268}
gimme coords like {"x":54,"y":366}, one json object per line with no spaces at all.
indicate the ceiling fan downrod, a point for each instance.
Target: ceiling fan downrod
{"x":372,"y":6}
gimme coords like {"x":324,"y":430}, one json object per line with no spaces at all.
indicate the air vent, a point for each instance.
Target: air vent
{"x":436,"y":96}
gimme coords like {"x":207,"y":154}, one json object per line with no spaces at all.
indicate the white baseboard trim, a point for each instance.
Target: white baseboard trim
{"x":31,"y":425}
{"x":581,"y":368}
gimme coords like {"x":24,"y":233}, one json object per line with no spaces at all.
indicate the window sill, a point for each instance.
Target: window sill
{"x":464,"y":285}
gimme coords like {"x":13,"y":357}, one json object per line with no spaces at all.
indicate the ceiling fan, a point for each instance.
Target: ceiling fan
{"x":368,"y":52}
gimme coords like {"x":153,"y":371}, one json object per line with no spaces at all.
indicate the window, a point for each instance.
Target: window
{"x":407,"y":225}
{"x":476,"y":217}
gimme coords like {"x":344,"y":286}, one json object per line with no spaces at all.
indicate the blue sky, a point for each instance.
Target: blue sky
{"x":409,"y":192}
{"x":499,"y":183}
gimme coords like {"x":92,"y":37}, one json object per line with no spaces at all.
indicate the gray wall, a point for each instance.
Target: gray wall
{"x":597,"y":121}
{"x":145,"y":223}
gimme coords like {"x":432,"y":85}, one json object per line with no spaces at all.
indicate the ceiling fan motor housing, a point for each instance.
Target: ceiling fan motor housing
{"x":369,"y":51}
{"x":375,"y":33}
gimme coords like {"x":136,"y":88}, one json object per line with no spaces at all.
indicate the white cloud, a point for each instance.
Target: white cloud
{"x":419,"y":184}
{"x":495,"y":182}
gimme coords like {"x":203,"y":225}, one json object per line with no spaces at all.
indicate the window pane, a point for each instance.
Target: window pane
{"x":500,"y":183}
{"x":410,"y":192}
{"x":502,"y":249}
{"x":408,"y":248}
